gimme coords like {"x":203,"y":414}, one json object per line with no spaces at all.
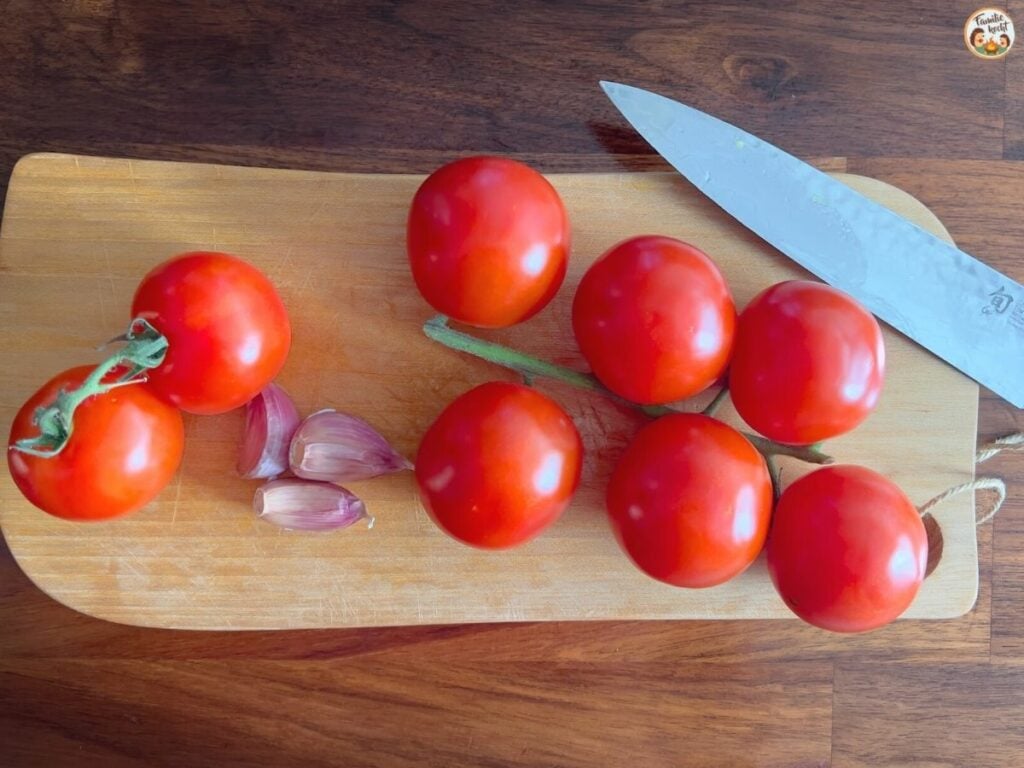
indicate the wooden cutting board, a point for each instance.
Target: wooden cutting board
{"x":79,"y":232}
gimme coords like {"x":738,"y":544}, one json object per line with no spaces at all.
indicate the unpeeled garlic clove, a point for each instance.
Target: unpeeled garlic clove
{"x":307,"y":505}
{"x":270,"y":421}
{"x":340,"y":448}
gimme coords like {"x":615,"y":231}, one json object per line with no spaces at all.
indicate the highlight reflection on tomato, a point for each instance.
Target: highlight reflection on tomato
{"x":654,"y":319}
{"x":808,"y":363}
{"x":690,"y":501}
{"x":499,"y":465}
{"x":488,"y":241}
{"x":847,"y":550}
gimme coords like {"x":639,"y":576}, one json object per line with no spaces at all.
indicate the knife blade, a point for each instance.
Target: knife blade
{"x":951,"y":303}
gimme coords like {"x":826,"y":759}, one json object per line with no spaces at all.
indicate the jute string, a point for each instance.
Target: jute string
{"x":1014,"y":442}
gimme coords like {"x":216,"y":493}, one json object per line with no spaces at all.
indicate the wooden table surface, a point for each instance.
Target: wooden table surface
{"x":886,"y":90}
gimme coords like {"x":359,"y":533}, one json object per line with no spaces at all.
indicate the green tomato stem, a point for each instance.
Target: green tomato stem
{"x":805,"y":453}
{"x":716,"y":403}
{"x":146,"y":348}
{"x":775,"y":472}
{"x":529,"y":367}
{"x":437,"y":328}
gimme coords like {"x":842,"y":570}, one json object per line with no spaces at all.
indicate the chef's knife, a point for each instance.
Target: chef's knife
{"x":949,"y":302}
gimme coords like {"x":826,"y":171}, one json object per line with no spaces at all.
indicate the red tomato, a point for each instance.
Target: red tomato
{"x":125,"y":448}
{"x":488,"y":241}
{"x":847,"y":550}
{"x":654,"y":319}
{"x":690,"y":501}
{"x":499,"y":465}
{"x":808,"y":364}
{"x":227,"y":331}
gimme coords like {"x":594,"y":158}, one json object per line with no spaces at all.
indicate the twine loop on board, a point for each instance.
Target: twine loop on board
{"x":1014,"y":442}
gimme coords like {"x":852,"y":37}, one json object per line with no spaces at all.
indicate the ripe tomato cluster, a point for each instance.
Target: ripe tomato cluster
{"x":691,"y":499}
{"x":96,"y":443}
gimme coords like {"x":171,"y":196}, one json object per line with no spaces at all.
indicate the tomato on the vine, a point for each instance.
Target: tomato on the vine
{"x":808,"y":363}
{"x":654,"y":319}
{"x":690,"y":500}
{"x":499,"y":464}
{"x":125,"y":447}
{"x":488,"y":241}
{"x":847,"y":550}
{"x":227,"y":330}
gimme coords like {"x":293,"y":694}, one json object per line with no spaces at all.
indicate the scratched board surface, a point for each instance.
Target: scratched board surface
{"x":79,"y":232}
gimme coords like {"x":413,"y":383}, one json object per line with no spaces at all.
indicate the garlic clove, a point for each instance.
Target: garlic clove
{"x":270,"y":421}
{"x":340,"y":448}
{"x":307,"y":505}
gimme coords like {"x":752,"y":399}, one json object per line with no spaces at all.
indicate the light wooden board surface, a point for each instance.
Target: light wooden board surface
{"x":79,"y":232}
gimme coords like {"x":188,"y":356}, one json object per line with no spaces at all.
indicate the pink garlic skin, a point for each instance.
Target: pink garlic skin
{"x":270,"y":421}
{"x":307,"y":505}
{"x":341,"y":448}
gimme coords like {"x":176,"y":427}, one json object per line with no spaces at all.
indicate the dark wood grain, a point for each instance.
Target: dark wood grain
{"x":1013,"y":124}
{"x":403,"y":87}
{"x":964,"y":715}
{"x":346,"y":85}
{"x":413,"y":713}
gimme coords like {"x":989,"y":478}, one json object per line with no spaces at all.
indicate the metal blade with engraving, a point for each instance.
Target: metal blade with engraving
{"x":949,"y":302}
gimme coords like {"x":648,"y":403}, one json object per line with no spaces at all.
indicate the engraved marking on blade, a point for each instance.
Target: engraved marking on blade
{"x":1017,"y":317}
{"x":999,"y":301}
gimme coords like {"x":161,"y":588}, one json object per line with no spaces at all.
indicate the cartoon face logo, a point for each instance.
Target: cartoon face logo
{"x":988,"y":33}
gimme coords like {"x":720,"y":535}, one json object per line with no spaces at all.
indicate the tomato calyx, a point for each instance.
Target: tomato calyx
{"x":145,"y":348}
{"x":530,"y":367}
